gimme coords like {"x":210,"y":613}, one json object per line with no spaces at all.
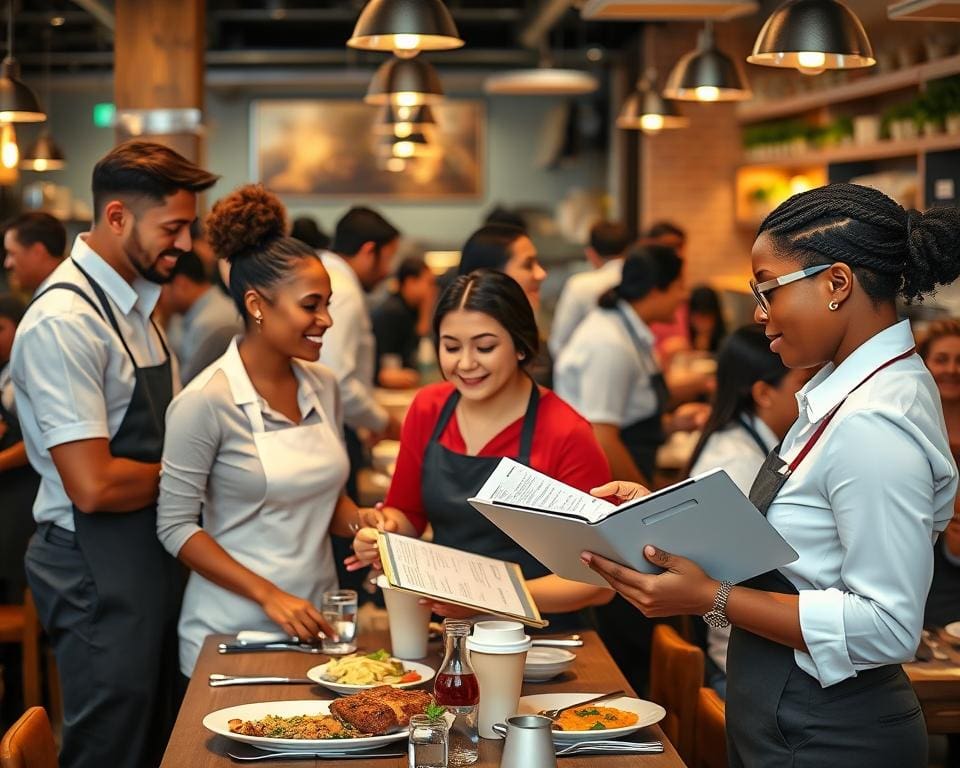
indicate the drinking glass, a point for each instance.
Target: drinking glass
{"x":428,"y":743}
{"x":340,"y":611}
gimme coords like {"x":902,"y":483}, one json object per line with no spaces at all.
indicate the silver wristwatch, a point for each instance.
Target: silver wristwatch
{"x":717,"y":617}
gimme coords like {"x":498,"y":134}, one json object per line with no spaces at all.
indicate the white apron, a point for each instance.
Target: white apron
{"x":287,"y":542}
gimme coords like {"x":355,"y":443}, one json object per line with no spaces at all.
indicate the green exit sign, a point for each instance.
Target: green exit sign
{"x":104,"y":114}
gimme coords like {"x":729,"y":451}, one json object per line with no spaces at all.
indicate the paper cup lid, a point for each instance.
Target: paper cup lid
{"x":496,"y":637}
{"x":382,"y":582}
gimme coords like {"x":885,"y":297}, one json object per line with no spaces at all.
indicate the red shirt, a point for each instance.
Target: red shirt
{"x":564,"y":447}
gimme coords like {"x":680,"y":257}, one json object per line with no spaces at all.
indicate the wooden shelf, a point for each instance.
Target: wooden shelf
{"x":856,"y":88}
{"x":853,"y":154}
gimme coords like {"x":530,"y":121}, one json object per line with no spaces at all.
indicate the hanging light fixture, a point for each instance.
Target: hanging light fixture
{"x":405,"y":27}
{"x":707,"y":74}
{"x":811,"y":36}
{"x":18,"y":104}
{"x":647,"y":111}
{"x":405,"y":83}
{"x":9,"y":151}
{"x":402,"y":121}
{"x":544,"y":80}
{"x":414,"y":145}
{"x":44,"y":154}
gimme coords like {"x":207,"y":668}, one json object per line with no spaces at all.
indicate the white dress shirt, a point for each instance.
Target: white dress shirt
{"x":349,"y":347}
{"x":601,"y":373}
{"x":72,"y":377}
{"x":733,"y":450}
{"x":864,"y":507}
{"x":579,"y":298}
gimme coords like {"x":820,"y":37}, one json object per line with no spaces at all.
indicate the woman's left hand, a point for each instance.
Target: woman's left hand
{"x":682,"y":589}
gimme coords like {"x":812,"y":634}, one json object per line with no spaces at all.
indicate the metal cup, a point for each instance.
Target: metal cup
{"x":529,"y":742}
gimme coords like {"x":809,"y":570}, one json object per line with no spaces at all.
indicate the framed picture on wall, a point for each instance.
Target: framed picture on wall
{"x":339,"y":148}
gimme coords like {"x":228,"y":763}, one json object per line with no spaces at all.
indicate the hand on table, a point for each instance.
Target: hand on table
{"x":681,"y":589}
{"x":296,"y":616}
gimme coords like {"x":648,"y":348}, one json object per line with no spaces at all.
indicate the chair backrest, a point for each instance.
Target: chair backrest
{"x":676,"y":675}
{"x":29,"y":742}
{"x":711,"y":749}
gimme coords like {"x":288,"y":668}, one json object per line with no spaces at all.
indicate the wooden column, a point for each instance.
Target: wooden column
{"x":159,"y":62}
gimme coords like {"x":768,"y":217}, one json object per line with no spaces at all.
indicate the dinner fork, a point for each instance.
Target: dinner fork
{"x":553,"y":714}
{"x":314,"y":755}
{"x":611,"y":747}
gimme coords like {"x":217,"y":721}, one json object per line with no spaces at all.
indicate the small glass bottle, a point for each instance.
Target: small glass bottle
{"x":456,"y":688}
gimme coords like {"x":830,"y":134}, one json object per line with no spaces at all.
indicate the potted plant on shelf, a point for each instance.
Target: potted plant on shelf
{"x":943,"y":96}
{"x":900,"y":122}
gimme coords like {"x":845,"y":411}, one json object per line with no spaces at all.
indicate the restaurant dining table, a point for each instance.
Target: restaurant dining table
{"x":193,"y":745}
{"x":937,"y":684}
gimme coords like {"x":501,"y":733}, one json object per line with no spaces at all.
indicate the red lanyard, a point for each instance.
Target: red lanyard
{"x":829,"y":417}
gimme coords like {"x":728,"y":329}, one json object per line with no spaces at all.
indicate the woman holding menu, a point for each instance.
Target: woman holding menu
{"x":457,"y":431}
{"x":861,"y":487}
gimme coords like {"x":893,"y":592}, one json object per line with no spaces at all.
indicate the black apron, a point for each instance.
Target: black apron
{"x":129,"y":651}
{"x":19,"y":488}
{"x":448,"y":479}
{"x":642,"y":438}
{"x":778,"y":715}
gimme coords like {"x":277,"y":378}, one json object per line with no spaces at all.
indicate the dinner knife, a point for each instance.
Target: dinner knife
{"x":557,"y":642}
{"x":316,"y":755}
{"x":218,"y":681}
{"x":243,"y":648}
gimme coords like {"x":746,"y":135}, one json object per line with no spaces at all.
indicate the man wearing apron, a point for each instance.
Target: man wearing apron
{"x":93,"y":378}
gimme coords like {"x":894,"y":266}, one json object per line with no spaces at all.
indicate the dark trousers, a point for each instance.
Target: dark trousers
{"x":116,"y":656}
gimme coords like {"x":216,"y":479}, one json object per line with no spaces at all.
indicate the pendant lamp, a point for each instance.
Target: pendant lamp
{"x":44,"y":154}
{"x":707,"y":74}
{"x":414,"y":145}
{"x":18,"y":104}
{"x":543,"y":80}
{"x":811,"y":36}
{"x":403,"y":121}
{"x":405,"y":27}
{"x":405,"y":83}
{"x":647,"y":111}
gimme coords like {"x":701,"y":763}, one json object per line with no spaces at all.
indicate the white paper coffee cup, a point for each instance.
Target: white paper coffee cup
{"x":409,"y":622}
{"x":498,"y":651}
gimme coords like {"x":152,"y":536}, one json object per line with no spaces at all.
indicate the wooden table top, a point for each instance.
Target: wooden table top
{"x":937,"y":685}
{"x":191,"y":744}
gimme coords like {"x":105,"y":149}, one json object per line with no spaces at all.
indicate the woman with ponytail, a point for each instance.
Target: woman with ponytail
{"x":255,"y":444}
{"x":861,"y":487}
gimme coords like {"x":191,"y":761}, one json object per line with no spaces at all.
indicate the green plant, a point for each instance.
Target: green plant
{"x":434,"y":711}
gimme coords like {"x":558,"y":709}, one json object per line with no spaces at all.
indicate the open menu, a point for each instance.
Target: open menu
{"x":453,"y":576}
{"x":705,"y":518}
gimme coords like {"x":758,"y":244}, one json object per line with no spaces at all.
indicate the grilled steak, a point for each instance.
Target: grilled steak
{"x":380,"y":710}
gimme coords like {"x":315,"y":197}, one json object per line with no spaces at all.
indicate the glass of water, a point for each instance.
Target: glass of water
{"x":340,"y":611}
{"x":428,"y":742}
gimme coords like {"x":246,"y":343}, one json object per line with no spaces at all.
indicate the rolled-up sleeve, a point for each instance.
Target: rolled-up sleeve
{"x":884,"y":521}
{"x":189,"y":451}
{"x":59,"y":365}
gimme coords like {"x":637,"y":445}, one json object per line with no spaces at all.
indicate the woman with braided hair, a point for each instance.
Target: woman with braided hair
{"x":861,"y":487}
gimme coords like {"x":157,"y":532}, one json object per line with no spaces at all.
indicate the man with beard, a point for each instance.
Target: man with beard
{"x":93,"y":378}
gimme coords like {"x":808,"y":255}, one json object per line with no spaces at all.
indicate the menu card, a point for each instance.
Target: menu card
{"x":453,"y":576}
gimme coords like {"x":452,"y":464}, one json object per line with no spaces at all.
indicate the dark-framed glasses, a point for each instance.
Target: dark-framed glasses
{"x":760,"y":290}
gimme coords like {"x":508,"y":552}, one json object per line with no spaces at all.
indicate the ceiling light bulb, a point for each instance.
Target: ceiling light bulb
{"x":406,"y":46}
{"x":652,"y":123}
{"x":403,"y":149}
{"x":406,"y":98}
{"x":9,"y":151}
{"x":396,"y":164}
{"x":811,"y":62}
{"x":402,"y":130}
{"x":707,"y":93}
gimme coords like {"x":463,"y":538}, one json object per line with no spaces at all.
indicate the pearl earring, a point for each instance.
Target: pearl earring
{"x":833,"y":306}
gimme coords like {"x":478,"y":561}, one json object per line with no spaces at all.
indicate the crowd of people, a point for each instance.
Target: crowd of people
{"x":185,"y":405}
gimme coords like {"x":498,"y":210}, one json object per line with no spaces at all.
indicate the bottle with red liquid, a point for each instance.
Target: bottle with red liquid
{"x":456,"y":688}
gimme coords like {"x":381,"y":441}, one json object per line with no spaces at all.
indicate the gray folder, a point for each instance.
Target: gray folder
{"x":705,"y":518}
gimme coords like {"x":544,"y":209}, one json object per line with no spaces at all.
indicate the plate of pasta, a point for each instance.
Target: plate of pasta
{"x":358,"y":672}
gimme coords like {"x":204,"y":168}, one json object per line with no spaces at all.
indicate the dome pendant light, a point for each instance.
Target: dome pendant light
{"x":545,"y":80}
{"x":403,"y":121}
{"x":44,"y":154}
{"x":811,"y":36}
{"x":706,"y":74}
{"x":405,"y":83}
{"x":414,"y":145}
{"x":647,"y":111}
{"x":405,"y":27}
{"x":17,"y":102}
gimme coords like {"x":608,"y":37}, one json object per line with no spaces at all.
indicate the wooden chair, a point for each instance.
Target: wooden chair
{"x":676,"y":676}
{"x":711,"y":749}
{"x":19,"y":624}
{"x":29,"y":742}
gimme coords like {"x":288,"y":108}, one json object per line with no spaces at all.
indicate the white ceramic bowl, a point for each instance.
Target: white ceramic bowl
{"x":545,"y":663}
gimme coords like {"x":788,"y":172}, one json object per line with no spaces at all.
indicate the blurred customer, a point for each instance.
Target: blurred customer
{"x":501,"y":215}
{"x":669,"y":234}
{"x":456,"y":432}
{"x":306,"y":230}
{"x":34,"y":244}
{"x":670,"y":336}
{"x":705,"y":324}
{"x":609,"y":372}
{"x":609,"y":241}
{"x":209,"y":320}
{"x":940,"y":350}
{"x":753,"y":407}
{"x":400,"y":321}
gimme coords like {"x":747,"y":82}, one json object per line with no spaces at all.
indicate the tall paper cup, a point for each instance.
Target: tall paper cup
{"x":498,"y":651}
{"x":409,"y":622}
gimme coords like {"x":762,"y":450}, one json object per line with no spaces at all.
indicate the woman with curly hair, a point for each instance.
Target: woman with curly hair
{"x":255,"y":444}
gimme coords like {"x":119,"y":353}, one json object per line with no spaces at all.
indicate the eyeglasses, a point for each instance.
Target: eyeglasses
{"x":760,"y":290}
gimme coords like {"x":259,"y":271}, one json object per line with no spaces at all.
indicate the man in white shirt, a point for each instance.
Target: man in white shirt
{"x":93,"y":378}
{"x":33,"y":244}
{"x":609,"y":241}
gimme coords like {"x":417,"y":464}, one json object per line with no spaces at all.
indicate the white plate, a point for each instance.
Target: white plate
{"x":647,"y":712}
{"x":953,"y":629}
{"x":217,"y":722}
{"x":426,"y":675}
{"x":544,"y":663}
